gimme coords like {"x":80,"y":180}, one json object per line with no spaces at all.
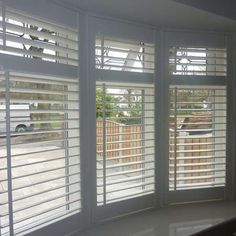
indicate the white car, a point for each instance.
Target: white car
{"x":20,"y":118}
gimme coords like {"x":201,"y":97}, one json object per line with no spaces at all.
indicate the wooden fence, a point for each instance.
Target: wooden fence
{"x":192,"y":154}
{"x":126,"y":143}
{"x":123,"y":141}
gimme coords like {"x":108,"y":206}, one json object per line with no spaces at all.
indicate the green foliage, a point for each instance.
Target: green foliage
{"x":188,"y":99}
{"x":129,"y":113}
{"x":134,"y":104}
{"x":111,"y":104}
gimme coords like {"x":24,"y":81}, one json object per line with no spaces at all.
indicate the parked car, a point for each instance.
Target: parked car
{"x":20,"y":118}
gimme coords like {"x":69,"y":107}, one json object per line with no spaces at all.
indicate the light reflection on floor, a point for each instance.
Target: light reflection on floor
{"x":188,"y":228}
{"x":172,"y":221}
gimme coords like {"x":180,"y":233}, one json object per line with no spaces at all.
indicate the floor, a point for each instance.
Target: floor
{"x":171,"y":221}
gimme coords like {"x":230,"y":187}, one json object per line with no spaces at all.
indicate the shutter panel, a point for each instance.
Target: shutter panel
{"x":197,"y":61}
{"x":125,"y":142}
{"x":124,"y":55}
{"x":43,"y":137}
{"x":26,"y":36}
{"x":197,"y":137}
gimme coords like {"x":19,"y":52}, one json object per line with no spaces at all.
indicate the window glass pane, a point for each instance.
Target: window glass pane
{"x":45,"y":153}
{"x":125,"y":143}
{"x":33,"y":38}
{"x":197,"y":138}
{"x":124,"y":55}
{"x":197,"y":61}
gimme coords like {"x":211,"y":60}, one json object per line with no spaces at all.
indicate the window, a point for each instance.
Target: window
{"x":148,"y":138}
{"x":125,"y":142}
{"x":124,"y":55}
{"x":22,"y":35}
{"x":197,"y":61}
{"x":40,"y":154}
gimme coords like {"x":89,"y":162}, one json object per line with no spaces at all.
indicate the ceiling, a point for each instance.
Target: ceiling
{"x":223,"y":8}
{"x":166,"y":13}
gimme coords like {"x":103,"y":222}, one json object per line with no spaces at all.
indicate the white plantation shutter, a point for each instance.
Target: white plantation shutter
{"x":125,"y":131}
{"x":22,"y":35}
{"x":125,"y":142}
{"x":198,"y":115}
{"x":197,"y":145}
{"x":124,"y":55}
{"x":40,"y":153}
{"x":197,"y":61}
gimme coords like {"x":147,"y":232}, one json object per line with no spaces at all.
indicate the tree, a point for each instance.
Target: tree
{"x":133,"y":99}
{"x":111,"y":104}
